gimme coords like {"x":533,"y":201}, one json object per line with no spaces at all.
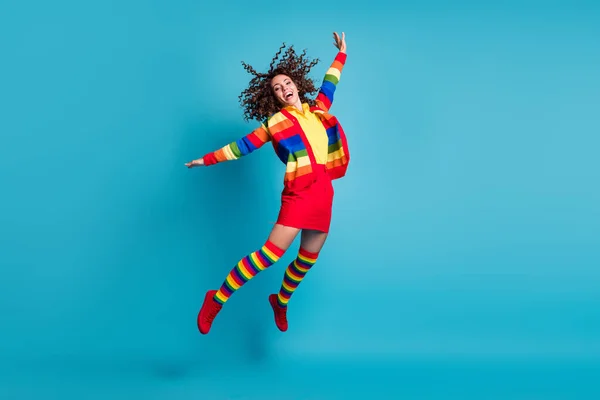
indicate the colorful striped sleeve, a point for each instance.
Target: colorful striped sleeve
{"x":241,"y":147}
{"x":332,"y":77}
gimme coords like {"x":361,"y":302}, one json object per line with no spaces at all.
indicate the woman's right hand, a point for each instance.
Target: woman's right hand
{"x":195,"y":163}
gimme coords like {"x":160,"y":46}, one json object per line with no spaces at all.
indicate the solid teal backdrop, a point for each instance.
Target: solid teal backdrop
{"x":467,"y":226}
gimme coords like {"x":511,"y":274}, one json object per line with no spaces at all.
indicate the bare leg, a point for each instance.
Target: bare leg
{"x":283,"y":236}
{"x":312,"y":241}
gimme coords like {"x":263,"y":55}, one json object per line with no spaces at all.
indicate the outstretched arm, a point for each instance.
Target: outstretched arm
{"x":235,"y":150}
{"x":332,"y":77}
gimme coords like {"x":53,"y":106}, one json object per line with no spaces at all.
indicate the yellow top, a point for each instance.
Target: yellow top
{"x":313,"y":130}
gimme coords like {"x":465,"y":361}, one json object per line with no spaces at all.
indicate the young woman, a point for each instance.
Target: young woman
{"x":312,"y":145}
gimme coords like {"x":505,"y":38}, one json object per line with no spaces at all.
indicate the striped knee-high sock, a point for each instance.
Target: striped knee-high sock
{"x":247,"y":268}
{"x":294,"y":274}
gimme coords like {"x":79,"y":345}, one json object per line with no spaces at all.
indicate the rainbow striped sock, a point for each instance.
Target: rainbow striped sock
{"x":294,"y":274}
{"x":247,"y":268}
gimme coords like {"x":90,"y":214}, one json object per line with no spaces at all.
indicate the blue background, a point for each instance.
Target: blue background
{"x":464,"y":253}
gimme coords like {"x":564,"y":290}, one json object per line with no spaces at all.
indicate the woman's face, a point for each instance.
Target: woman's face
{"x":285,"y":90}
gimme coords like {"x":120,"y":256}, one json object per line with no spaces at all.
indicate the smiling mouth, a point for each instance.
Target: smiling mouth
{"x":289,"y":96}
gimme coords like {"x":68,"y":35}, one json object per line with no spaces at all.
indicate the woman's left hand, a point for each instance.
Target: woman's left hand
{"x":340,"y":43}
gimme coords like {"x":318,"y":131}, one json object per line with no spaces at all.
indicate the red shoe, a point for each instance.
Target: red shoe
{"x":208,"y":312}
{"x":280,"y":317}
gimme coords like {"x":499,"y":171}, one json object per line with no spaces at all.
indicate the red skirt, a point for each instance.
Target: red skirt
{"x":310,"y":207}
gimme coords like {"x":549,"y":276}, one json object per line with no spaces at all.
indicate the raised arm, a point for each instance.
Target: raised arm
{"x":332,"y":76}
{"x":235,"y":150}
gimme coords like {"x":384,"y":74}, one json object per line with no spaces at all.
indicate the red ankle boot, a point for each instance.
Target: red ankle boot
{"x":208,"y":312}
{"x":280,"y":313}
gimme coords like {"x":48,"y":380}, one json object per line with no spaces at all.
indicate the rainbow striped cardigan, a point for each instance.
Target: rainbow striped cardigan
{"x":289,"y":141}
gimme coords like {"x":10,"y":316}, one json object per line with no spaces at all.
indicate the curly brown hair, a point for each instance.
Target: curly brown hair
{"x":259,"y":101}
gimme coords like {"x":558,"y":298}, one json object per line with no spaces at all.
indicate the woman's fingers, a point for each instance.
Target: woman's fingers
{"x":340,"y":43}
